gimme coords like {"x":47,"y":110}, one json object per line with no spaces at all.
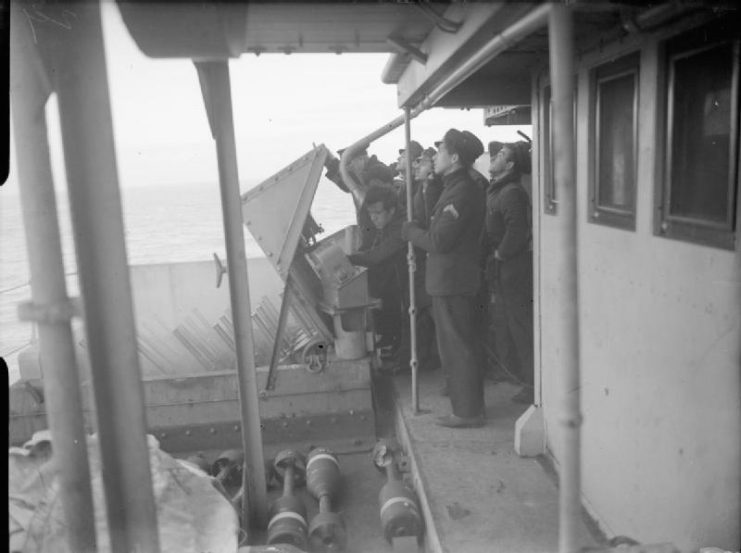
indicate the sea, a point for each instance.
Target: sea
{"x":162,"y":224}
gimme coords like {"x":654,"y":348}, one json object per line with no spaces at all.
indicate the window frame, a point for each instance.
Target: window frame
{"x":629,"y":64}
{"x":681,"y":227}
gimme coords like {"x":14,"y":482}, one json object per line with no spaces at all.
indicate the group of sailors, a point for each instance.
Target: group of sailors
{"x":473,"y":251}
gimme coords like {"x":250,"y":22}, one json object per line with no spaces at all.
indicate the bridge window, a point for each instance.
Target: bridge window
{"x":698,"y":200}
{"x":614,"y":108}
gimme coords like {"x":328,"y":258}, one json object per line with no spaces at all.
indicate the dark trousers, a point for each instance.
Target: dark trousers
{"x":458,"y":345}
{"x":512,"y":317}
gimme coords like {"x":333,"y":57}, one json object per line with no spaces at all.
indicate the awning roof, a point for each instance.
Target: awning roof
{"x":219,"y":29}
{"x":207,"y":30}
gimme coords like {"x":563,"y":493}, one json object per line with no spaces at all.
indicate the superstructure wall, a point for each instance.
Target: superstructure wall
{"x":659,"y":337}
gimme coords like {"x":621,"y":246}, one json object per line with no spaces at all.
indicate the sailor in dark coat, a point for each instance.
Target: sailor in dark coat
{"x":510,"y":261}
{"x":453,"y":244}
{"x":367,"y":171}
{"x":383,"y":251}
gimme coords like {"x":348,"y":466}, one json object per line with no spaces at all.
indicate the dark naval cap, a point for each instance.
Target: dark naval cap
{"x":463,"y":143}
{"x":415,"y":149}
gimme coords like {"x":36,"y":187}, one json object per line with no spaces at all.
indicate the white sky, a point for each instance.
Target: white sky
{"x":282,"y":104}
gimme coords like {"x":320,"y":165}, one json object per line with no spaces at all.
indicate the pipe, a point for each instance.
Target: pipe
{"x":30,"y":90}
{"x":357,"y":190}
{"x":561,"y":47}
{"x":98,"y":229}
{"x":506,"y":39}
{"x":214,"y":77}
{"x":413,"y":362}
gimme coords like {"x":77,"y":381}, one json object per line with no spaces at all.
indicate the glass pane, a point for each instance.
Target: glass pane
{"x":701,"y":128}
{"x":616,"y":170}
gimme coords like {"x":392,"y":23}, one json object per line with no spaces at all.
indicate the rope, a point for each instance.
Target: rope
{"x":11,"y":352}
{"x":14,"y":287}
{"x":28,"y":283}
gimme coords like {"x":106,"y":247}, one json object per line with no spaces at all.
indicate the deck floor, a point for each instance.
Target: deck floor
{"x":481,"y":497}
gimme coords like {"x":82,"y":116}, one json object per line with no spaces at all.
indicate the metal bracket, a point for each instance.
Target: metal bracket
{"x":49,"y":313}
{"x":407,"y":48}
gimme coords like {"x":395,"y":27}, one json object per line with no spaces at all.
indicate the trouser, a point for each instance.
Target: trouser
{"x":518,"y":313}
{"x":388,"y":319}
{"x":512,"y":317}
{"x":458,"y":346}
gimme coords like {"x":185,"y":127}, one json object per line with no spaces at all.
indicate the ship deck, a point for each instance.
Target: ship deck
{"x":477,"y":494}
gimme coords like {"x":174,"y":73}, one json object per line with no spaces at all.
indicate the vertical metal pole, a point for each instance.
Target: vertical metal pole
{"x":562,"y":81}
{"x":97,"y":222}
{"x":217,"y":94}
{"x":413,"y":362}
{"x":30,"y":91}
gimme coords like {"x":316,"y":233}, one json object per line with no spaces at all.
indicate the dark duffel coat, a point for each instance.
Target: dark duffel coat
{"x":453,"y":239}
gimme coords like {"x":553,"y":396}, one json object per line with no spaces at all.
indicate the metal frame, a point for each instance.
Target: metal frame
{"x":612,"y":216}
{"x":215,"y":84}
{"x":61,"y":383}
{"x":693,"y":229}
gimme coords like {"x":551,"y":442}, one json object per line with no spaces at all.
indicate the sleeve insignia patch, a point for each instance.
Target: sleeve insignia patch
{"x":450,"y":208}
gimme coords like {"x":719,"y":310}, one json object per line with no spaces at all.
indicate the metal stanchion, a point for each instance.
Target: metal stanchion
{"x":413,"y":362}
{"x":562,"y":80}
{"x":214,"y":77}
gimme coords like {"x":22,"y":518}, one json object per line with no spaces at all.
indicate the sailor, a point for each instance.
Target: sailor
{"x":383,"y":251}
{"x":367,"y":171}
{"x":509,"y":267}
{"x":453,"y":244}
{"x":427,"y":187}
{"x":415,"y":150}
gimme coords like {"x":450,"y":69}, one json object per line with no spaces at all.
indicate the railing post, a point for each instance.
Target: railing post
{"x":214,"y":77}
{"x":30,"y":89}
{"x":97,"y":221}
{"x":413,"y":362}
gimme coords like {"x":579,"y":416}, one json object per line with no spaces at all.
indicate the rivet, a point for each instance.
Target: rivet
{"x":308,"y":422}
{"x":163,"y":435}
{"x":187,"y":432}
{"x":236,"y":428}
{"x":285,"y":425}
{"x":212,"y":430}
{"x":352,"y":411}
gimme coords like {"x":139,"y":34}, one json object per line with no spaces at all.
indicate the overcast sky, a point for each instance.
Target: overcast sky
{"x":282,"y":105}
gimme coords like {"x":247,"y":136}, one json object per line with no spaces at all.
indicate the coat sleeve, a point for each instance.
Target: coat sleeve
{"x":515,"y":208}
{"x":389,"y":246}
{"x":452,"y":215}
